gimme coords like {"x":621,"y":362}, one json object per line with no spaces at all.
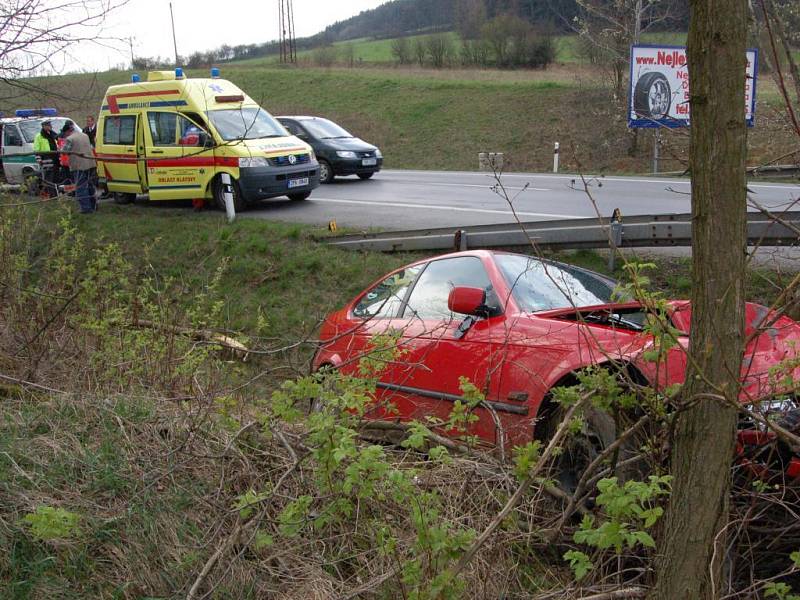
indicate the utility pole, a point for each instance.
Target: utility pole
{"x":288,"y":44}
{"x":130,"y":43}
{"x":174,"y":39}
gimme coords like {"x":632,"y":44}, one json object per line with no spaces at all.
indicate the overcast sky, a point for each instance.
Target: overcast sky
{"x":205,"y":24}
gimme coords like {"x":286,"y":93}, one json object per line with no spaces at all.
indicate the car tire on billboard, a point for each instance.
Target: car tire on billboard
{"x":652,"y":96}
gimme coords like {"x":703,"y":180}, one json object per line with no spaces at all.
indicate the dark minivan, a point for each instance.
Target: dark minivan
{"x":338,"y":152}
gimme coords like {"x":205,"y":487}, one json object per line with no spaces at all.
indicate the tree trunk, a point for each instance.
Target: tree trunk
{"x":693,"y":546}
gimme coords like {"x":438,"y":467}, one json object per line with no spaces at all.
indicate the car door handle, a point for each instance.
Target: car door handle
{"x":156,"y":152}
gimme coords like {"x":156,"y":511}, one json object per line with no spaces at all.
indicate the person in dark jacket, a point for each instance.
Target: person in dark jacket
{"x":91,"y":129}
{"x":44,"y":144}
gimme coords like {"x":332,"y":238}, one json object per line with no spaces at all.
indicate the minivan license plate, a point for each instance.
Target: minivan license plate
{"x":293,"y":183}
{"x":369,"y":162}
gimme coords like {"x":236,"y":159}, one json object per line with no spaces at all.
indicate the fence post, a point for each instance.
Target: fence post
{"x":227,"y":193}
{"x":555,"y":158}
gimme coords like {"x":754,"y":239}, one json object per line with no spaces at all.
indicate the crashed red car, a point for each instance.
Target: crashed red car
{"x":518,"y":327}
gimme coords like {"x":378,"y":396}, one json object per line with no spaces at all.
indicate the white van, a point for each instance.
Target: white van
{"x":17,"y":160}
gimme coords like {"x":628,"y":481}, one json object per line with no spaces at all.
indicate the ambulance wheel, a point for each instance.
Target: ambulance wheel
{"x":239,"y":203}
{"x":298,"y":197}
{"x":325,"y":172}
{"x":124,"y":198}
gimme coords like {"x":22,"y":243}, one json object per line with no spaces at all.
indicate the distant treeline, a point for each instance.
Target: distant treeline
{"x":408,"y":17}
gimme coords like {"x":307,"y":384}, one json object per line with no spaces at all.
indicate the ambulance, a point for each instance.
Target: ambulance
{"x":18,"y":162}
{"x":172,"y":138}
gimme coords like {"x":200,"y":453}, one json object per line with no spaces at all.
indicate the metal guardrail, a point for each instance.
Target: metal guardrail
{"x":641,"y":231}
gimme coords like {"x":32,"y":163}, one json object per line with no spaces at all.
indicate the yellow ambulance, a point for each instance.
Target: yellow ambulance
{"x":172,"y":137}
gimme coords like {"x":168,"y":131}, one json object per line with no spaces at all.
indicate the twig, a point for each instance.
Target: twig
{"x":517,"y":495}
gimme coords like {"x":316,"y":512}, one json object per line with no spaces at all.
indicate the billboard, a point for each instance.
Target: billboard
{"x":659,"y":89}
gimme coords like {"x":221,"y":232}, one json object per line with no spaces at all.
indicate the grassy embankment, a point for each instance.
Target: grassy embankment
{"x":143,"y":438}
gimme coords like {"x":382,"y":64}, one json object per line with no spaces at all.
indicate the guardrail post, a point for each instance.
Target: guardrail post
{"x":614,"y":238}
{"x":227,"y":193}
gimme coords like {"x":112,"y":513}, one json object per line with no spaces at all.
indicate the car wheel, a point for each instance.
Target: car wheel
{"x":325,"y":172}
{"x":365,"y":175}
{"x":124,"y":198}
{"x":239,"y":203}
{"x":298,"y":197}
{"x":652,"y":96}
{"x":580,"y":449}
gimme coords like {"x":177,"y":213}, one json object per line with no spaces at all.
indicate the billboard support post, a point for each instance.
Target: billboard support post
{"x":656,"y":149}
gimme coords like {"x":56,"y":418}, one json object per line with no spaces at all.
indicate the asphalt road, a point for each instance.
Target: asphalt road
{"x":397,"y":200}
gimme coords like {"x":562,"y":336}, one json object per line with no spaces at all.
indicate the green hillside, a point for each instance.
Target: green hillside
{"x":441,"y":119}
{"x":370,"y":51}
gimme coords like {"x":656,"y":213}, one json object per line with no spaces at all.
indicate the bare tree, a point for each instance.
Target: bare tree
{"x":693,"y":548}
{"x":401,"y":50}
{"x":420,"y":51}
{"x":35,"y":34}
{"x":440,"y":49}
{"x":609,"y":27}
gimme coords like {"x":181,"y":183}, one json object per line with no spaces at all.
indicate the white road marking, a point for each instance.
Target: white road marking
{"x":485,"y":187}
{"x":442,"y":207}
{"x":792,"y":187}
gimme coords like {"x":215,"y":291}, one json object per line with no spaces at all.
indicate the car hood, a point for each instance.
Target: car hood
{"x":355,"y":144}
{"x":771,"y":359}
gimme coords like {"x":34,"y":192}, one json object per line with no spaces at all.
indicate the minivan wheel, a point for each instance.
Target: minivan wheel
{"x":325,"y":172}
{"x":298,"y":197}
{"x":365,"y":175}
{"x":239,"y":203}
{"x":124,"y":198}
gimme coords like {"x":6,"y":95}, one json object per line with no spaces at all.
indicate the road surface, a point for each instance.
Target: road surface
{"x":397,"y":200}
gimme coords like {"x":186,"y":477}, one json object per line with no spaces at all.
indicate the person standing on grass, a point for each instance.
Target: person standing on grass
{"x":78,"y":150}
{"x":44,"y":143}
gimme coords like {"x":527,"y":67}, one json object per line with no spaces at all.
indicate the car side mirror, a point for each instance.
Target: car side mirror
{"x":206,"y":140}
{"x":468,"y":301}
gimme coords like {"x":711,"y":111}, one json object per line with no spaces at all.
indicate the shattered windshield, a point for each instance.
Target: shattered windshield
{"x":538,"y":285}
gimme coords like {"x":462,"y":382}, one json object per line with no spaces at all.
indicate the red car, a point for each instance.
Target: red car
{"x":517,"y":327}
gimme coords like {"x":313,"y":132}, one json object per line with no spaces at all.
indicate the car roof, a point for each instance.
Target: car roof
{"x":300,"y":117}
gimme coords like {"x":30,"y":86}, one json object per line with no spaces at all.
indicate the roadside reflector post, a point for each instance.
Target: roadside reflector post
{"x":227,"y":194}
{"x":614,"y":238}
{"x":555,"y":158}
{"x":483,"y":161}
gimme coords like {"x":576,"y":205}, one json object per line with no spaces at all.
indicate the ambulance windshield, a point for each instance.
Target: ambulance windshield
{"x":245,"y":124}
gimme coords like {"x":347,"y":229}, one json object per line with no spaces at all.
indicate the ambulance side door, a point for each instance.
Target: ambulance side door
{"x":119,"y":154}
{"x":176,"y":165}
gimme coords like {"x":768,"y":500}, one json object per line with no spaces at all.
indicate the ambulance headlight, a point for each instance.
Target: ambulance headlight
{"x":253,"y":161}
{"x":346,"y":154}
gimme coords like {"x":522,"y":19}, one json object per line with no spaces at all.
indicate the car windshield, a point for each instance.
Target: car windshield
{"x":538,"y":285}
{"x":31,"y":128}
{"x":245,"y":124}
{"x":325,"y":130}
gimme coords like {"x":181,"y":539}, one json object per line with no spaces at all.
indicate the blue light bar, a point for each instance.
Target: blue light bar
{"x":36,"y":112}
{"x":214,"y":73}
{"x":178,"y":73}
{"x":135,"y":78}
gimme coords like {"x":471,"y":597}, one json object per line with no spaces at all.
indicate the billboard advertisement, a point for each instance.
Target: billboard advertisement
{"x":659,"y":91}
